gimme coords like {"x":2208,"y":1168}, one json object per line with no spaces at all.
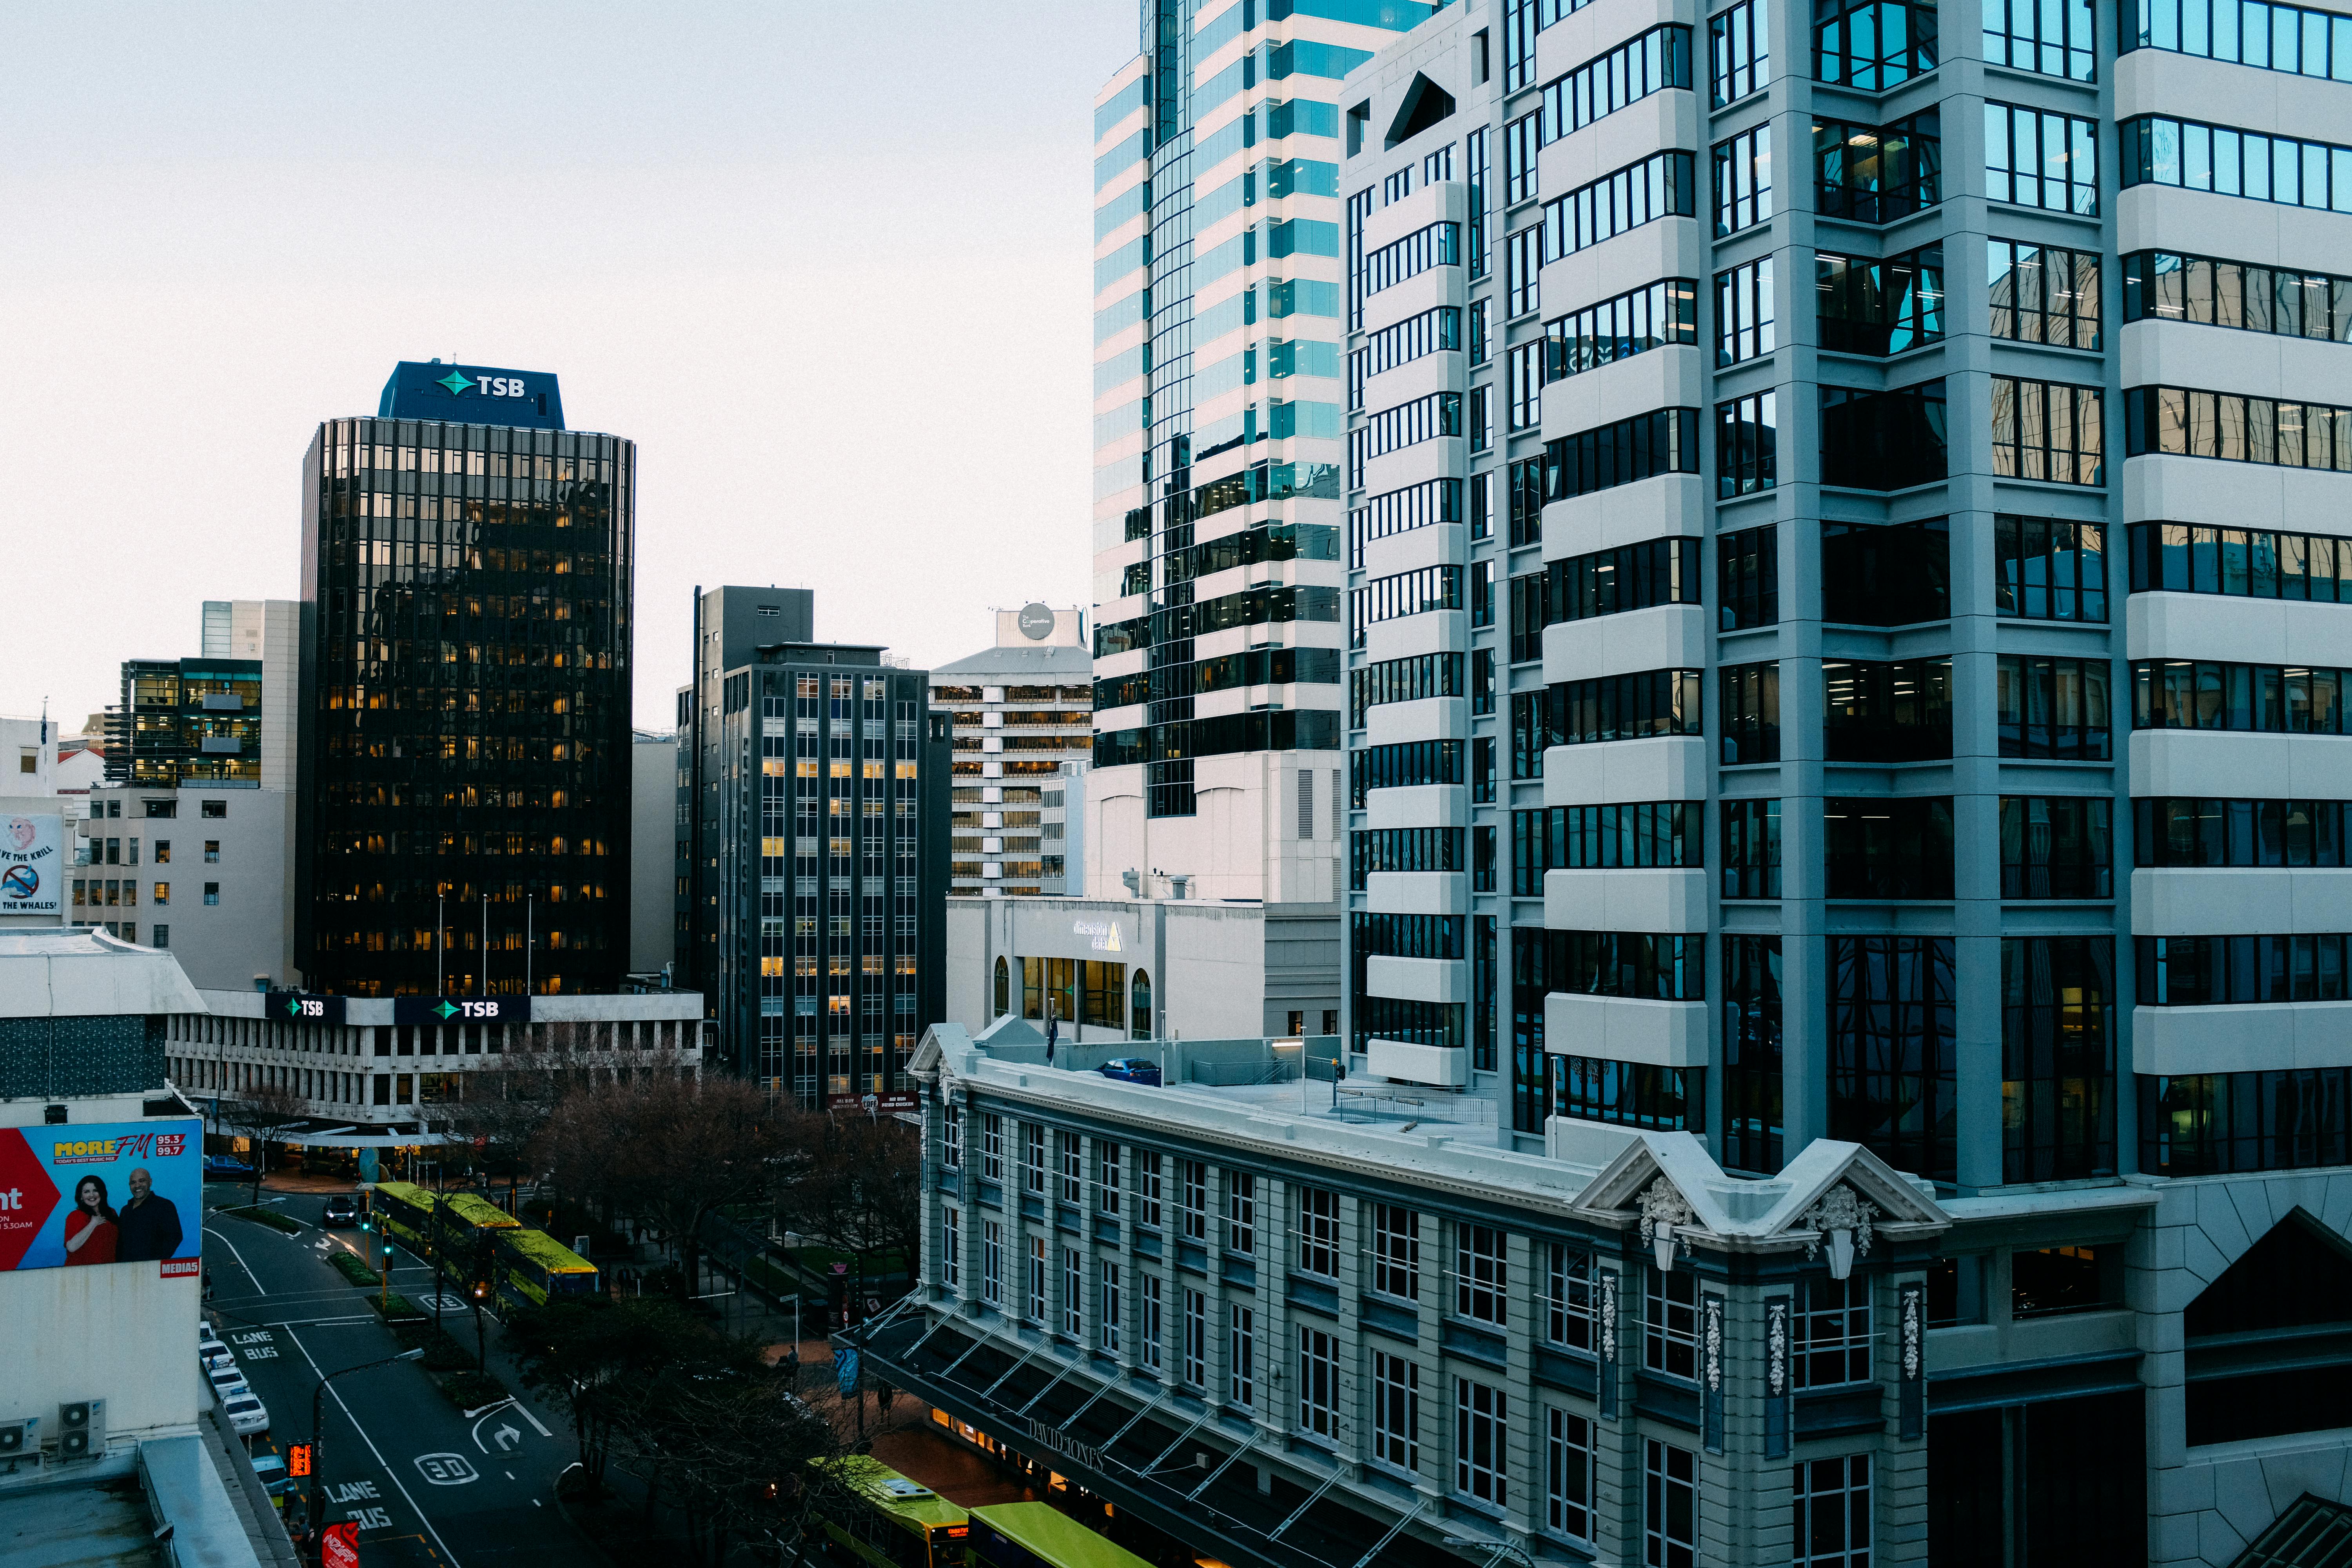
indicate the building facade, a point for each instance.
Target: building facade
{"x":1020,"y":714}
{"x":464,"y":736}
{"x":815,"y":800}
{"x":654,"y":852}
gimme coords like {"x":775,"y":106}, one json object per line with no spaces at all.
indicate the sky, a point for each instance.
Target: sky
{"x":829,"y":265}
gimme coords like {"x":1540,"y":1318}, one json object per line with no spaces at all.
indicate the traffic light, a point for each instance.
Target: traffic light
{"x":298,"y":1459}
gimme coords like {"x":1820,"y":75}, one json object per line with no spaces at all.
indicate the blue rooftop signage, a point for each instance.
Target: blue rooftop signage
{"x":472,"y":394}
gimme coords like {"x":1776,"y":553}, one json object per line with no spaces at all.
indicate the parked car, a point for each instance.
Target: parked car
{"x":1132,"y":1070}
{"x":271,"y":1470}
{"x":211,"y":1352}
{"x":227,"y":1381}
{"x":225,"y":1165}
{"x":342,"y":1209}
{"x":247,"y":1417}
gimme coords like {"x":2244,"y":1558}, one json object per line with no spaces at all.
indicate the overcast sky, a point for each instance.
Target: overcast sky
{"x":828,"y":264}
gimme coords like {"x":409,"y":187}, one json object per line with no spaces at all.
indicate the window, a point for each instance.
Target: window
{"x":1401,"y":849}
{"x":1533,"y":729}
{"x":2213,"y":1124}
{"x":2165,"y":286}
{"x":1524,"y":373}
{"x":1649,"y":965}
{"x":1891,"y":1049}
{"x":1891,"y":712}
{"x":1107,"y":1174}
{"x":1523,"y":260}
{"x":951,"y":1139}
{"x":1401,"y":763}
{"x":950,"y":1247}
{"x":164,"y":848}
{"x":2156,"y":150}
{"x":1319,"y":1383}
{"x":1659,"y":186}
{"x":1196,"y":1339}
{"x":2185,"y":831}
{"x":1481,"y":1273}
{"x":2056,"y":847}
{"x":2189,"y":423}
{"x":1743,"y":313}
{"x":1401,"y":681}
{"x":2054,"y":40}
{"x":1604,"y":583}
{"x":1481,"y":770}
{"x":1751,"y":1053}
{"x":159,"y":936}
{"x":1431,"y":331}
{"x":163,"y":892}
{"x":1146,"y":1188}
{"x":1406,"y":425}
{"x":212,"y":892}
{"x":1882,"y":440}
{"x":1399,"y":512}
{"x":1832,"y":1496}
{"x":1643,"y":834}
{"x":1475,"y":158}
{"x":1833,"y":1332}
{"x":2047,"y":569}
{"x":1192,"y":1181}
{"x":1037,"y":1285}
{"x":1568,"y":1316}
{"x":1878,"y":173}
{"x":1616,"y":329}
{"x":991,"y":1264}
{"x":2235,"y":971}
{"x":1151,"y":1333}
{"x":1887,"y":575}
{"x":2035,"y":159}
{"x":2057,"y":1047}
{"x":1743,"y":181}
{"x":1241,"y":1362}
{"x":1480,"y":1441}
{"x":1867,"y":306}
{"x":1873,"y":45}
{"x":1634,"y":706}
{"x":1751,"y":849}
{"x":1396,"y":1412}
{"x":992,"y":1148}
{"x":1033,"y":1158}
{"x":1738,"y":39}
{"x":1482,"y":681}
{"x":1669,"y":1506}
{"x":1744,"y":445}
{"x":1568,"y":1475}
{"x":2047,"y":430}
{"x":1396,"y":1252}
{"x":1889,"y":847}
{"x":1520,"y":143}
{"x":1241,"y":1212}
{"x":1751,"y":713}
{"x":1319,"y":1232}
{"x":216,"y":809}
{"x":2054,"y":709}
{"x":1110,"y":1308}
{"x":2243,"y":32}
{"x":1073,"y":1170}
{"x":212,"y":850}
{"x":1438,"y":244}
{"x":2042,"y":294}
{"x":1481,"y":419}
{"x":1649,"y":62}
{"x":1670,"y":1322}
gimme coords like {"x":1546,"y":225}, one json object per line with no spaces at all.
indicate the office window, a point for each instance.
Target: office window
{"x":1874,"y":44}
{"x":1521,"y":139}
{"x":2243,"y":32}
{"x":1633,"y":322}
{"x":2190,"y":423}
{"x":1751,"y":849}
{"x":2052,"y":708}
{"x":1038,"y":1287}
{"x":1887,"y":575}
{"x":1631,"y":834}
{"x":1476,"y":163}
{"x":1746,"y":460}
{"x":1196,"y":1339}
{"x":1524,"y":377}
{"x":1864,"y":305}
{"x":2182,"y":558}
{"x":1481,"y":337}
{"x":991,"y":1267}
{"x":1396,"y":1411}
{"x":1661,"y":185}
{"x":1151,"y":1333}
{"x":1146,"y":1188}
{"x":1481,"y":1272}
{"x":1647,"y":63}
{"x":1878,"y":173}
{"x":1569,"y":1313}
{"x":1482,"y":859}
{"x":1192,"y":1182}
{"x":1319,"y":1232}
{"x":2035,"y":159}
{"x":2159,"y":149}
{"x":1738,"y":40}
{"x":2042,"y":294}
{"x":2056,"y":846}
{"x":1241,"y":1212}
{"x":950,"y":1247}
{"x":1669,"y":1506}
{"x":1319,"y":1383}
{"x":1833,"y":1332}
{"x":1832,"y":1496}
{"x":1482,"y":680}
{"x":2047,"y":430}
{"x":1523,"y":259}
{"x":1241,"y":1360}
{"x":1567,"y":1474}
{"x":2057,"y":1047}
{"x":1074,"y":1293}
{"x":1751,"y":1053}
{"x":162,"y":893}
{"x":1743,"y":181}
{"x":2240,"y":971}
{"x":1033,"y":1158}
{"x":1437,"y":245}
{"x":1648,"y":965}
{"x":2165,"y":286}
{"x":1106,"y":1177}
{"x":1743,"y":312}
{"x":2052,"y":39}
{"x":212,"y":892}
{"x":1407,"y":680}
{"x":951,"y":1139}
{"x":1073,"y":1167}
{"x":1670,"y":1322}
{"x":212,"y":808}
{"x":1480,"y":418}
{"x":1892,"y":1086}
{"x":1110,"y":1308}
{"x":1639,"y":706}
{"x":1480,"y":1441}
{"x":1751,"y":713}
{"x":1533,"y":731}
{"x":1396,"y":1252}
{"x":2048,"y":569}
{"x":1747,"y":578}
{"x":1482,"y":771}
{"x":1887,"y":712}
{"x":159,"y":936}
{"x":1882,"y":440}
{"x":2213,"y":1124}
{"x":1889,"y":847}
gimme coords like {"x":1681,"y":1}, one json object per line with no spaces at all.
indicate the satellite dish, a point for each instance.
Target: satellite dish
{"x":1036,"y":622}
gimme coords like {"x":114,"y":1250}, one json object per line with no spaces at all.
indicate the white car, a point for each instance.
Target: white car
{"x":211,"y":1353}
{"x":247,"y":1417}
{"x":227,"y":1380}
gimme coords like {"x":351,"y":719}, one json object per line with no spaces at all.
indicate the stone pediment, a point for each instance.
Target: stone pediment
{"x":1667,"y":1183}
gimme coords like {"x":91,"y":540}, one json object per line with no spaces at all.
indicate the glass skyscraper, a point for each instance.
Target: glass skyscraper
{"x":464,"y":824}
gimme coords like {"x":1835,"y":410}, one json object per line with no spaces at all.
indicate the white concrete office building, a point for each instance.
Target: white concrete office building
{"x":1020,"y":717}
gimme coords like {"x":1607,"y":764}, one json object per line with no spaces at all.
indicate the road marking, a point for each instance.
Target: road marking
{"x":510,"y":1475}
{"x":527,"y":1416}
{"x":354,"y":1420}
{"x":241,"y":1263}
{"x":446,"y":1470}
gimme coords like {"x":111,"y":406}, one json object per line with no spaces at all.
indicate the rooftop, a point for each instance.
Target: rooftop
{"x":1038,"y":659}
{"x":80,"y":972}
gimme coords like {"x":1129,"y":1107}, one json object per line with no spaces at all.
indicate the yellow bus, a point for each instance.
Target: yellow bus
{"x":886,"y":1520}
{"x":531,"y":1266}
{"x":406,"y":1213}
{"x":1039,"y":1535}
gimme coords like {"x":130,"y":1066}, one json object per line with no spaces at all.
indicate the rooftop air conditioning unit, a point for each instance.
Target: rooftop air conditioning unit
{"x":81,"y":1430}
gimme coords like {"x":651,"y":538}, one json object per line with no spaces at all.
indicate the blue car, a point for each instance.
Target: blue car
{"x":225,"y":1165}
{"x":1132,"y":1070}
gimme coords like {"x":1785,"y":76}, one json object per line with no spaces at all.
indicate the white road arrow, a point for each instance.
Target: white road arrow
{"x":508,"y":1438}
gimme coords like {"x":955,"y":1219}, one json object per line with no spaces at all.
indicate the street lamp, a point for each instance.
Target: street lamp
{"x":318,"y":1446}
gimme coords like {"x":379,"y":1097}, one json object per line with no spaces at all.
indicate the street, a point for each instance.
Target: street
{"x":425,"y":1485}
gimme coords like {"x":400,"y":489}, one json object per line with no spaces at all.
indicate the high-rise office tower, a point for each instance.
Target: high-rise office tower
{"x":463,"y":813}
{"x":812,"y":817}
{"x":1019,"y":716}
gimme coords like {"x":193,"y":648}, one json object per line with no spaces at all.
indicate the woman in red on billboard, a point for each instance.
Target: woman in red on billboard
{"x":90,"y":1228}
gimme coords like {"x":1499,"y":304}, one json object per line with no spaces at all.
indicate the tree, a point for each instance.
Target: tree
{"x":582,"y":1349}
{"x":861,"y":1190}
{"x":263,"y":1113}
{"x":730,"y":1447}
{"x":503,"y":1110}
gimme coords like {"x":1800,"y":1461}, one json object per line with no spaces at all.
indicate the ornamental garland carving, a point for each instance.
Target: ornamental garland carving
{"x":1840,"y":1209}
{"x":1662,"y":1208}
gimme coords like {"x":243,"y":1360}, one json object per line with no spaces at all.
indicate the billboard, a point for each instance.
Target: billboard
{"x":102,"y":1192}
{"x":472,"y":394}
{"x":32,"y":865}
{"x":428,"y":1010}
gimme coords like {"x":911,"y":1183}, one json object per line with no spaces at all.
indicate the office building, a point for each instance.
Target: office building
{"x":1871,"y":796}
{"x":813,"y":798}
{"x":463,"y":824}
{"x":1020,"y":714}
{"x":654,"y":853}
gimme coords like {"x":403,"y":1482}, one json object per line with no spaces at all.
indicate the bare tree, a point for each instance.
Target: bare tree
{"x":861,"y":1189}
{"x":263,"y":1113}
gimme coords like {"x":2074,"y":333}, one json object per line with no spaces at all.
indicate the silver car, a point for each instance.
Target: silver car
{"x":247,"y":1417}
{"x":227,"y":1380}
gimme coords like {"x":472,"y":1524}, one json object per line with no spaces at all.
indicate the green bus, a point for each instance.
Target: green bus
{"x":465,"y":1216}
{"x":531,"y":1266}
{"x":886,"y":1520}
{"x":406,"y":1213}
{"x":1039,"y":1535}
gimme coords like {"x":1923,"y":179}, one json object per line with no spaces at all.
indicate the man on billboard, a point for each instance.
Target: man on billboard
{"x":148,"y":1225}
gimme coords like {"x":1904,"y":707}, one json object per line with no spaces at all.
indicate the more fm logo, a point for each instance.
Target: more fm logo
{"x":105,"y":1151}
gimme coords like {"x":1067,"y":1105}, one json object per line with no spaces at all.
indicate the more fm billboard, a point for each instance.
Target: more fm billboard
{"x":32,"y":865}
{"x":76,"y":1195}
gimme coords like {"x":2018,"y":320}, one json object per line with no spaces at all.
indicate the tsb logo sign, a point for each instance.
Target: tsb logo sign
{"x":501,"y":386}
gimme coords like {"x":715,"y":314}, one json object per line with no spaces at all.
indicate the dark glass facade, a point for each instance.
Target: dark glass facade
{"x":465,"y":708}
{"x":188,"y":720}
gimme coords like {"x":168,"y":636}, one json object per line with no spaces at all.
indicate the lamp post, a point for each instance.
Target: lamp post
{"x":317,"y":1447}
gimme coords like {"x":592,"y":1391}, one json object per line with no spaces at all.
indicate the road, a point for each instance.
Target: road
{"x":427,"y":1487}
